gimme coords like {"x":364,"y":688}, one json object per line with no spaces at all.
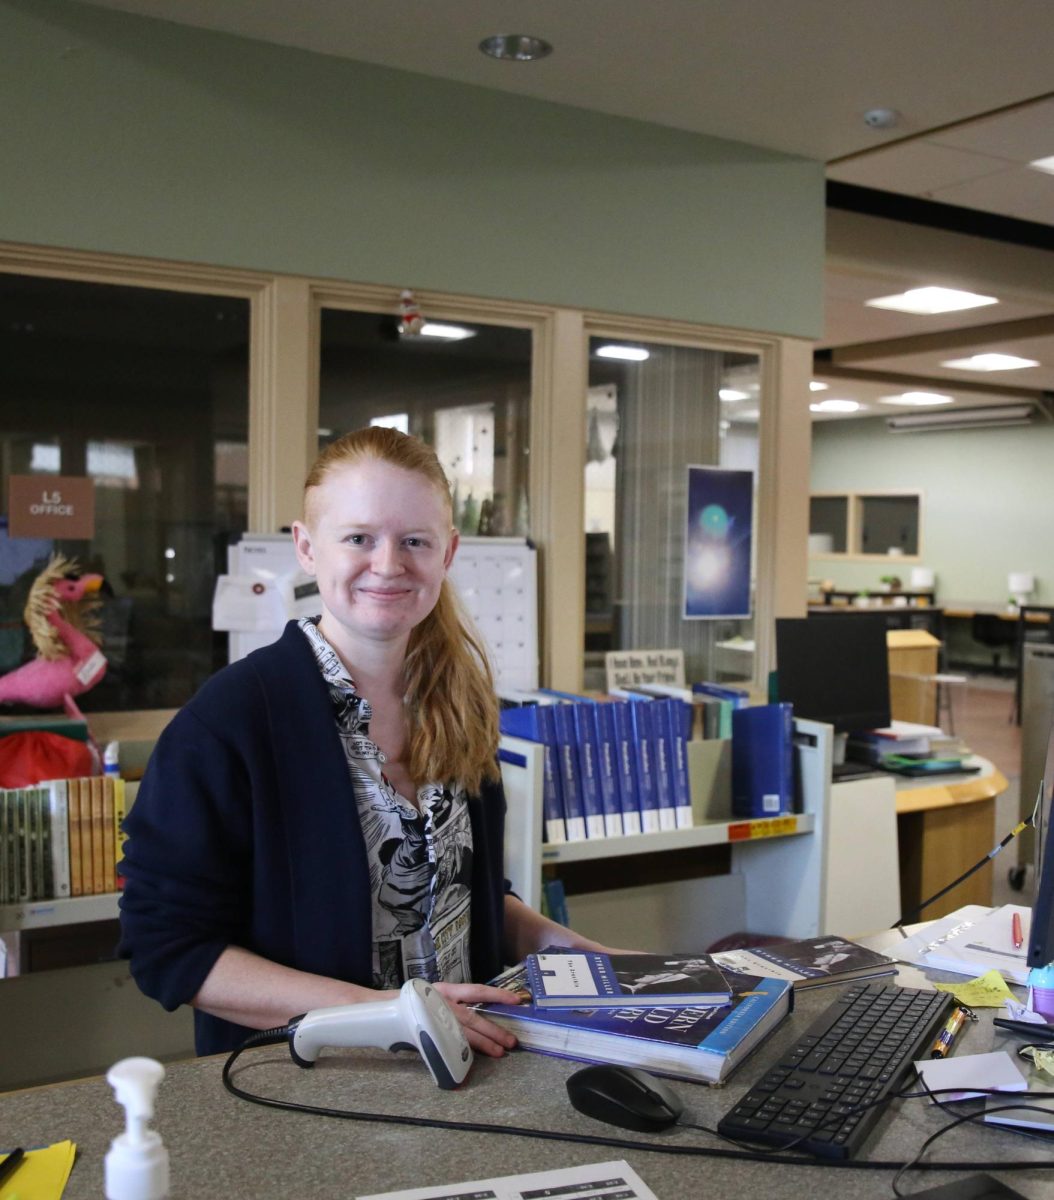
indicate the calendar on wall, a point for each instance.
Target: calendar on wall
{"x":496,"y":578}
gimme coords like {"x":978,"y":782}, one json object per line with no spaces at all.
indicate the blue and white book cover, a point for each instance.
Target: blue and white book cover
{"x":643,"y":748}
{"x":534,"y":723}
{"x":763,"y":761}
{"x":570,"y":779}
{"x":608,"y":768}
{"x":571,"y":978}
{"x":629,"y":790}
{"x":673,"y":712}
{"x":589,"y":766}
{"x":702,"y":1044}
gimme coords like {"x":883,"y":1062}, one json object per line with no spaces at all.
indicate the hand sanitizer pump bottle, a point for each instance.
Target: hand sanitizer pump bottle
{"x":137,"y":1164}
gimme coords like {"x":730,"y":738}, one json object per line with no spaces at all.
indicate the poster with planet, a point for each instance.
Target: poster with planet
{"x":717,"y":543}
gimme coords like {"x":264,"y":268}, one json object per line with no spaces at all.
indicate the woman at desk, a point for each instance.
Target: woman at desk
{"x":325,"y":818}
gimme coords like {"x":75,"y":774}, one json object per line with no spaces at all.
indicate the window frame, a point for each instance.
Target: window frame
{"x":284,"y":359}
{"x":854,"y":525}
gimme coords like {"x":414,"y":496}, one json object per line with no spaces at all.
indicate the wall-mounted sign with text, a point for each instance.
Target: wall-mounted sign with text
{"x":51,"y":506}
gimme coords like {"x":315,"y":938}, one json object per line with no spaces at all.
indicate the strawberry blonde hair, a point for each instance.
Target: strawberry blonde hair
{"x":449,"y":697}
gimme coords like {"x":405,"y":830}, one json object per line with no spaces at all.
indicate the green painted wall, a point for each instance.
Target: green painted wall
{"x":132,"y":135}
{"x":988,"y":501}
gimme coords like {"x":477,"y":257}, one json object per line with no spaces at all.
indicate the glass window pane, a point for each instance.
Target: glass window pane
{"x":828,"y":524}
{"x":889,"y":524}
{"x":145,"y":392}
{"x":468,"y":397}
{"x":648,"y":418}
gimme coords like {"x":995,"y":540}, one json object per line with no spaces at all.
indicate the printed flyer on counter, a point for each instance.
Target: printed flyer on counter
{"x":597,"y":1181}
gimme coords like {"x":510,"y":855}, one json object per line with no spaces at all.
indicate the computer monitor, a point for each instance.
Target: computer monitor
{"x":1041,"y":936}
{"x":835,"y":668}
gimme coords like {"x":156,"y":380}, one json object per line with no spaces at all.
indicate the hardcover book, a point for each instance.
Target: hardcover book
{"x":703,"y":1045}
{"x":812,"y":962}
{"x":571,"y":978}
{"x":762,"y":761}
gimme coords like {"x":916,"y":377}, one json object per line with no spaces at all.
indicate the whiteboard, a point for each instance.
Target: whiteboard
{"x":496,"y":578}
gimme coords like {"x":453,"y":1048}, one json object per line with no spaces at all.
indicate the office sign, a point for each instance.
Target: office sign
{"x":717,"y":543}
{"x":632,"y":668}
{"x":51,"y":506}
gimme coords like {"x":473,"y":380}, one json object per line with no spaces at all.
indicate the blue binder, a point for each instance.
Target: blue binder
{"x":763,"y":761}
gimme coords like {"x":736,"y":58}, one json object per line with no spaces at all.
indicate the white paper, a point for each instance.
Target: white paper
{"x":913,"y":949}
{"x":987,"y":945}
{"x":592,"y":1182}
{"x":247,"y":604}
{"x":996,"y":1070}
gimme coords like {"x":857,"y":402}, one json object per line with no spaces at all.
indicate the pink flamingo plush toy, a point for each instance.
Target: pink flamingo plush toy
{"x":59,"y":618}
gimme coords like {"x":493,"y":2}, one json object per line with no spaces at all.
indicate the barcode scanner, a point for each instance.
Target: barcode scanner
{"x":417,"y":1019}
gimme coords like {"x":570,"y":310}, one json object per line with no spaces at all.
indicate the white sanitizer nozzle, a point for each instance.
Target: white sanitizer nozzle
{"x":137,"y":1164}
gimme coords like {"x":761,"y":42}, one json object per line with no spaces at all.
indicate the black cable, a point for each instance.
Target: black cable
{"x":273,"y":1036}
{"x":910,"y":915}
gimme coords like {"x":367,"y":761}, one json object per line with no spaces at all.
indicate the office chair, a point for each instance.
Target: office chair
{"x":992,"y":631}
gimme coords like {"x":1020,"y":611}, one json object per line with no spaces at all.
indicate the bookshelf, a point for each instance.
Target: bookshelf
{"x":830,"y":868}
{"x":42,"y":914}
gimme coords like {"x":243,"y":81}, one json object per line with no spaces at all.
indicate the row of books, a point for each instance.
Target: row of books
{"x":618,"y":764}
{"x":61,"y":838}
{"x":683,"y":1033}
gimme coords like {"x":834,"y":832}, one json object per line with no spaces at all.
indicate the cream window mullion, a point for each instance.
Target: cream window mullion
{"x":283,"y":401}
{"x":558,"y":435}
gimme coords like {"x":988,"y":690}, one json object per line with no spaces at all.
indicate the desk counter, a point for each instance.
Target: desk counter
{"x":222,"y":1146}
{"x":944,"y":825}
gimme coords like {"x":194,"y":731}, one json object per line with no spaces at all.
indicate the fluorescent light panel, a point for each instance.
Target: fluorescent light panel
{"x":729,"y":395}
{"x":449,"y":333}
{"x":816,"y":386}
{"x":928,"y":300}
{"x":964,"y":418}
{"x":990,"y":362}
{"x":625,"y":353}
{"x":1044,"y":164}
{"x":918,"y":399}
{"x":836,"y":406}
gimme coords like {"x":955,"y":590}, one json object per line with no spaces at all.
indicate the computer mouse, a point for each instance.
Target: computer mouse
{"x":625,"y":1096}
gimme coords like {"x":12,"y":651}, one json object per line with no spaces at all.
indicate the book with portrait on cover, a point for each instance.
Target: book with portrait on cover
{"x":560,"y":978}
{"x":811,"y":962}
{"x":701,"y":1044}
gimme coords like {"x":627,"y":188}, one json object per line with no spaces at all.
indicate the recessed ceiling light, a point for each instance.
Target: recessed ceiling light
{"x":1044,"y":164}
{"x":919,"y":399}
{"x":515,"y":47}
{"x":928,"y":300}
{"x":833,"y":406}
{"x":626,"y":353}
{"x":816,"y":386}
{"x":449,"y":333}
{"x":990,"y":362}
{"x":728,"y":395}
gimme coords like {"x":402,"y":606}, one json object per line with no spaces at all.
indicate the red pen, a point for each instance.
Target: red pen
{"x":1015,"y":930}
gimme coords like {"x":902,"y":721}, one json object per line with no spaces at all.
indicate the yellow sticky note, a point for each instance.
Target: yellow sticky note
{"x":987,"y":991}
{"x":42,"y":1174}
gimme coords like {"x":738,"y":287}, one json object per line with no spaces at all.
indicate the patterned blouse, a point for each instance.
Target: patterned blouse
{"x":420,"y":858}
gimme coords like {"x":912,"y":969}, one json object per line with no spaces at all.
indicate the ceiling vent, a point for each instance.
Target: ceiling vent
{"x":988,"y":417}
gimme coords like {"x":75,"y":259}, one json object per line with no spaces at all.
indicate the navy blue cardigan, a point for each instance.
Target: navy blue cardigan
{"x":244,"y":832}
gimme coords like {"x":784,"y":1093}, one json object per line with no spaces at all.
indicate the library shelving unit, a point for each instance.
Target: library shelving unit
{"x":829,"y":868}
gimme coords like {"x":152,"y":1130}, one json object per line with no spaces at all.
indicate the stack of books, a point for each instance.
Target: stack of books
{"x":619,"y":764}
{"x":678,"y":1016}
{"x":690,"y":1017}
{"x":909,"y":749}
{"x":61,"y":838}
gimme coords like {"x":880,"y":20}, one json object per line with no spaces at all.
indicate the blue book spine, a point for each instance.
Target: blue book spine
{"x":676,"y":712}
{"x":643,"y":749}
{"x":627,"y":767}
{"x":608,"y":768}
{"x":657,"y":718}
{"x":557,"y":900}
{"x":589,"y":767}
{"x":739,"y":697}
{"x":534,"y":723}
{"x":763,"y":761}
{"x":567,"y":762}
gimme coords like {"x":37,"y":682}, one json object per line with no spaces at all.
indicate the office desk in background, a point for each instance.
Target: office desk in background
{"x":945,"y":825}
{"x":222,"y":1146}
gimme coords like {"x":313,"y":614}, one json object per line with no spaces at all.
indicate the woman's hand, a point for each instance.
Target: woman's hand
{"x":482,"y":1035}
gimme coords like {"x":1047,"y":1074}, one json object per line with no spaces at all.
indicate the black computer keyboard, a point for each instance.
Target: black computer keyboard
{"x":855,"y":1053}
